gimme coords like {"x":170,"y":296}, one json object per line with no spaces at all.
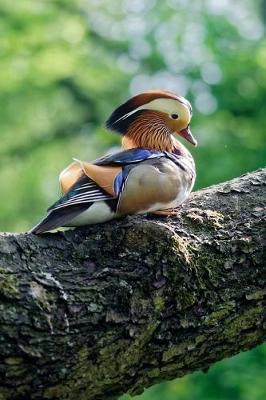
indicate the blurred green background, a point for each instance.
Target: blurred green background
{"x":64,"y":66}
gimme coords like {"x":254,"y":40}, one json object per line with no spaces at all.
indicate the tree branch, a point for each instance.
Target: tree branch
{"x":95,"y":312}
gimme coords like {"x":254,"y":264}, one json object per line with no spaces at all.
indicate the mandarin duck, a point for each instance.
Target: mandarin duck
{"x":153,"y":173}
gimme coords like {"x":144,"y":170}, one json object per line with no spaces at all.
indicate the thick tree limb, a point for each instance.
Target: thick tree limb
{"x":95,"y":312}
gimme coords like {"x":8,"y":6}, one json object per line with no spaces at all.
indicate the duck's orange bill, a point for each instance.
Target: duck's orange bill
{"x":186,"y":133}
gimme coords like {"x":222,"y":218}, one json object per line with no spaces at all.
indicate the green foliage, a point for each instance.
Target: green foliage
{"x":66,"y":64}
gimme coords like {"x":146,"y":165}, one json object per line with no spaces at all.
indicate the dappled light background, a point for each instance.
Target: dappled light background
{"x":64,"y":66}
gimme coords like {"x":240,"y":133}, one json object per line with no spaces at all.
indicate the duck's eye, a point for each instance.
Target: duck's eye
{"x":174,"y":116}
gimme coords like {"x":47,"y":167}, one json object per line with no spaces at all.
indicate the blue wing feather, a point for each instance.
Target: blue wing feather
{"x":130,"y":156}
{"x":118,"y":183}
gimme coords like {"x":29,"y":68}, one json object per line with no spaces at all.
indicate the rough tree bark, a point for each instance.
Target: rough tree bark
{"x":95,"y":312}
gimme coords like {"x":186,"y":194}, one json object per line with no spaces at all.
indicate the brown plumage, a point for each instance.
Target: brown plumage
{"x":152,"y":136}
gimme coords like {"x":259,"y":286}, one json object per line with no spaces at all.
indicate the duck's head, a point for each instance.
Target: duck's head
{"x":151,"y":118}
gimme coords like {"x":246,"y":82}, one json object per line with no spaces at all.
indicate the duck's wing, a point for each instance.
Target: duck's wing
{"x":81,"y":196}
{"x":130,"y":156}
{"x":73,"y":172}
{"x":86,"y":183}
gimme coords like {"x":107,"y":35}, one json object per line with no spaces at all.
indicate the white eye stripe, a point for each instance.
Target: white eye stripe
{"x":128,"y":114}
{"x":168,"y":106}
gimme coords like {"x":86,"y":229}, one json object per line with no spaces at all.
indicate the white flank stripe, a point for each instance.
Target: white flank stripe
{"x":87,"y":193}
{"x":78,"y":201}
{"x":87,"y":186}
{"x":86,"y":198}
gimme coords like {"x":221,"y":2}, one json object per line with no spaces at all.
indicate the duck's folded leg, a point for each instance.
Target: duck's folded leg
{"x":169,"y":212}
